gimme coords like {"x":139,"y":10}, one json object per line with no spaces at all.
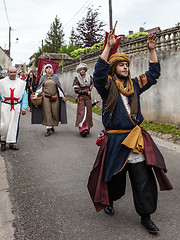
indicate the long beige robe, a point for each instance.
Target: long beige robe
{"x":50,"y":109}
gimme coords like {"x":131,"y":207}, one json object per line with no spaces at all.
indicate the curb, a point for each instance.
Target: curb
{"x":6,"y":216}
{"x":169,"y":145}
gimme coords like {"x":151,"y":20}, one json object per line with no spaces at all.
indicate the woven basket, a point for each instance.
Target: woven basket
{"x":36,"y":101}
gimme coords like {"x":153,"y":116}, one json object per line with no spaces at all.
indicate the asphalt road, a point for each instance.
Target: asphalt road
{"x":48,"y":189}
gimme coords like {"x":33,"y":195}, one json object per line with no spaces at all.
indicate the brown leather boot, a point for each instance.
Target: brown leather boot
{"x":3,"y":147}
{"x":48,"y":133}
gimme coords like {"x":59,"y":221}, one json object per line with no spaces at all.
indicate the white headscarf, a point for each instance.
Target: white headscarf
{"x":44,"y":69}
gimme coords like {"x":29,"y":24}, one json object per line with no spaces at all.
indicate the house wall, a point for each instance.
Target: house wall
{"x":5,"y":60}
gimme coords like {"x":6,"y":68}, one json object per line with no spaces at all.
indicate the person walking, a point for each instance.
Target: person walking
{"x":53,"y":109}
{"x":13,"y":98}
{"x":82,"y":86}
{"x":124,"y":144}
{"x":31,"y":85}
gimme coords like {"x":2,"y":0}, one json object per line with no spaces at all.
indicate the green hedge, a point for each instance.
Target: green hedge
{"x":76,"y":53}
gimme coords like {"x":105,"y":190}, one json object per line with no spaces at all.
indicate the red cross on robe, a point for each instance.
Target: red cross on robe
{"x":11,"y":98}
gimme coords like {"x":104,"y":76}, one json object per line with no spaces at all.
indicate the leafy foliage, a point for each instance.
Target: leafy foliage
{"x":46,"y":48}
{"x":68,"y":49}
{"x":38,"y":54}
{"x":89,"y":29}
{"x":136,"y":35}
{"x":76,"y":53}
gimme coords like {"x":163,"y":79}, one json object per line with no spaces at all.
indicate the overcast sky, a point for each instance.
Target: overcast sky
{"x":30,"y":20}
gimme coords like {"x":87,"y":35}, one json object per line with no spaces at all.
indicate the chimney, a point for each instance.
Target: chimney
{"x":141,"y":29}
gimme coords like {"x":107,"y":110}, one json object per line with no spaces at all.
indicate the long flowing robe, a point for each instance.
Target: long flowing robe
{"x":113,"y":156}
{"x":30,"y":87}
{"x":50,"y":113}
{"x":13,"y":98}
{"x":84,"y":107}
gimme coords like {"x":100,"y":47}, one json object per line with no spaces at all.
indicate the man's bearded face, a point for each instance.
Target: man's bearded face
{"x":122,"y":70}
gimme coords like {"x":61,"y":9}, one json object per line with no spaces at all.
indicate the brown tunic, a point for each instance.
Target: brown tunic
{"x":83,"y":101}
{"x":50,"y":109}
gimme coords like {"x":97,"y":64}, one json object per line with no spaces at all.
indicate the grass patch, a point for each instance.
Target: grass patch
{"x":162,"y":128}
{"x":71,"y":99}
{"x":97,"y":110}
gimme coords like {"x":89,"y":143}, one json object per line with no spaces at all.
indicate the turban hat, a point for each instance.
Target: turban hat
{"x":115,"y":59}
{"x":81,"y":66}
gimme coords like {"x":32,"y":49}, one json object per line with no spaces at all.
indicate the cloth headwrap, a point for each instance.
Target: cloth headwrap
{"x":80,"y":66}
{"x":126,"y":89}
{"x":115,"y":59}
{"x":86,"y":81}
{"x":44,"y":69}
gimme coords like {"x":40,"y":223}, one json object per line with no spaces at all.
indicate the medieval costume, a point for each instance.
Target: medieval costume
{"x":13,"y":98}
{"x":22,"y":76}
{"x":31,"y":85}
{"x":53,"y":109}
{"x":124,"y":145}
{"x":82,"y":86}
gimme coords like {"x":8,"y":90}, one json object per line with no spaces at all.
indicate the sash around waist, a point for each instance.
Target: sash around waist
{"x":134,"y":139}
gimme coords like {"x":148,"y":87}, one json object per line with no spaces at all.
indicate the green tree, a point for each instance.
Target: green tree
{"x":55,"y":37}
{"x":72,"y":39}
{"x":46,"y":48}
{"x":38,"y":54}
{"x":90,"y":29}
{"x":68,"y":49}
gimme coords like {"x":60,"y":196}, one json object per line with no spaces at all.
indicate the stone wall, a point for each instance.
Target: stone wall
{"x":161,"y":102}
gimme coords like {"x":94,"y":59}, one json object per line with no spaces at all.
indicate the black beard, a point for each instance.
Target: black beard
{"x":121,"y":76}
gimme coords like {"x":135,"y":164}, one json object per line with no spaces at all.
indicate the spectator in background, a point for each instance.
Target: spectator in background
{"x":30,"y":86}
{"x":22,"y":76}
